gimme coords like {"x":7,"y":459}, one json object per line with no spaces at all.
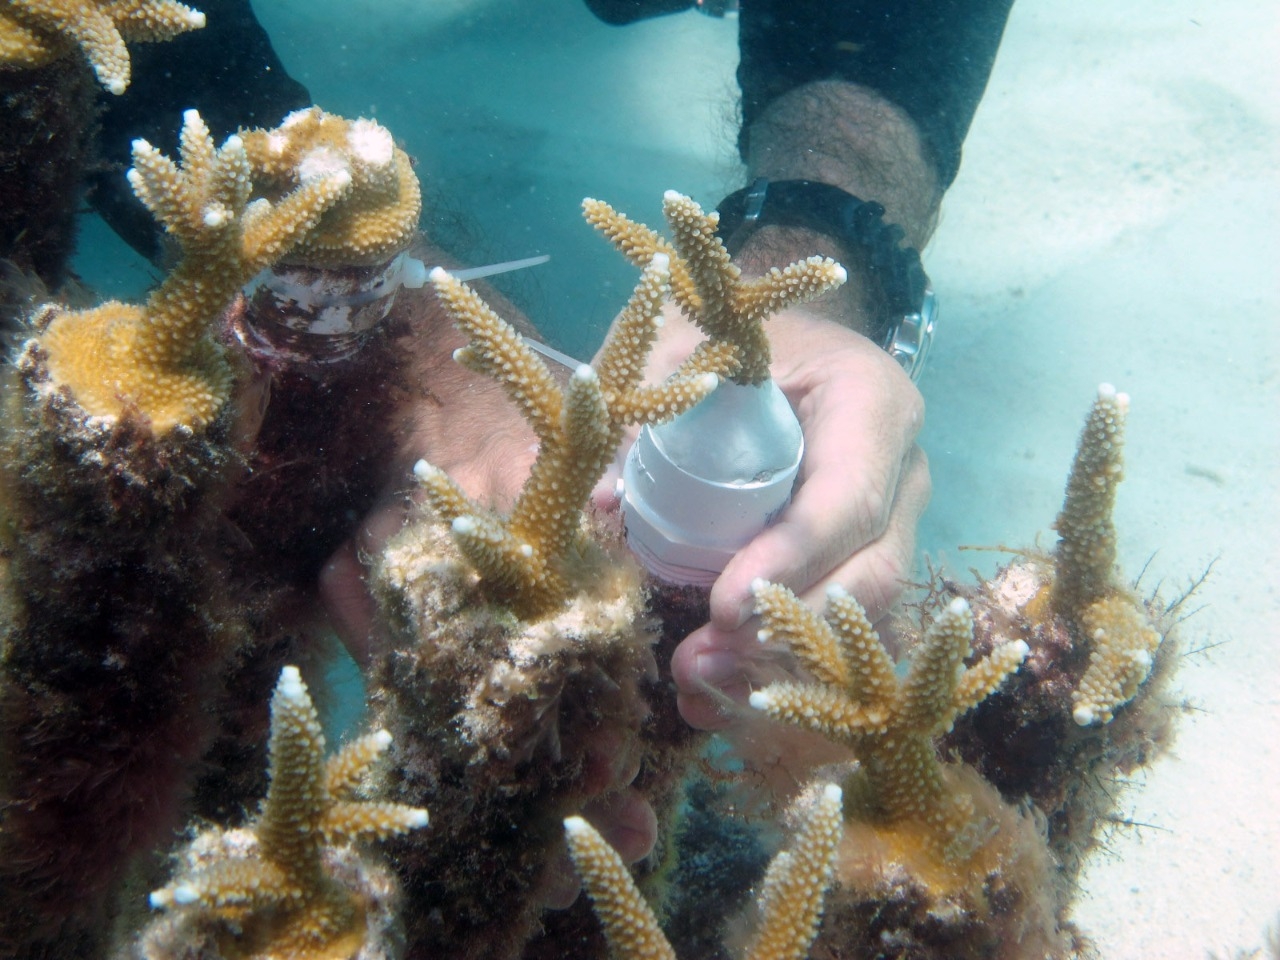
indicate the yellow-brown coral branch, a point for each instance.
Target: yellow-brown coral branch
{"x":888,"y":723}
{"x":791,"y":894}
{"x":34,"y":32}
{"x":629,"y":923}
{"x":709,"y":287}
{"x":520,"y":558}
{"x":276,"y":895}
{"x":790,"y":900}
{"x":1085,"y":556}
{"x":161,"y":359}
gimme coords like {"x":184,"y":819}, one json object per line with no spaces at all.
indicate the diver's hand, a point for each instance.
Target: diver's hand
{"x":863,"y":486}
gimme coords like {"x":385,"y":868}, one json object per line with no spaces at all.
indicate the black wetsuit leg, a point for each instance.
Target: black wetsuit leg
{"x":932,"y":58}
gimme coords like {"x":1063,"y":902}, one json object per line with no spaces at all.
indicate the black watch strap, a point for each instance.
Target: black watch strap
{"x":902,"y":288}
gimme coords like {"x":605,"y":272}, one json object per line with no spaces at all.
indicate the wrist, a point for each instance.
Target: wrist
{"x":888,"y":300}
{"x":850,"y":137}
{"x":851,"y":305}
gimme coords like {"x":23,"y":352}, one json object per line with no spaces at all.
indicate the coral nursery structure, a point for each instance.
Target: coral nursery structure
{"x":128,"y":596}
{"x":509,"y":683}
{"x":176,"y":472}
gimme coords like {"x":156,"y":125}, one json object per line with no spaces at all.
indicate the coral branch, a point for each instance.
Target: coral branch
{"x":272,"y":888}
{"x":374,"y":220}
{"x":709,"y":287}
{"x":1086,"y":585}
{"x":34,"y":32}
{"x":521,"y":557}
{"x":1085,"y":557}
{"x":790,"y":900}
{"x":888,"y":723}
{"x":160,"y":359}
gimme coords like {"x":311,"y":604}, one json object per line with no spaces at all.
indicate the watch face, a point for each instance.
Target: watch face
{"x":909,"y":341}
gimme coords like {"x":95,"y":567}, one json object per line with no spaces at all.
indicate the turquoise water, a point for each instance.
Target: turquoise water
{"x":1114,"y":219}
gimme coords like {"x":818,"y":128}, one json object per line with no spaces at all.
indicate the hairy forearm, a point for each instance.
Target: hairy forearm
{"x":848,"y":136}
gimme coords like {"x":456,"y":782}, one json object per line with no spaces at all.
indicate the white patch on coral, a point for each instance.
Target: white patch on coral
{"x":295,"y":118}
{"x":370,"y":142}
{"x":321,"y":164}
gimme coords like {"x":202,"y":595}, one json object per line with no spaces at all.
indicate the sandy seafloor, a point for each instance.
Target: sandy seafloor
{"x":1115,"y":219}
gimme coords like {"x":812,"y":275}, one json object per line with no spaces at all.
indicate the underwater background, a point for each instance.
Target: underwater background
{"x":1115,"y":219}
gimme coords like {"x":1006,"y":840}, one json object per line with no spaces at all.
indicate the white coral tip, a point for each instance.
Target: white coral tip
{"x":196,"y":18}
{"x":371,"y":142}
{"x":660,"y":261}
{"x":418,"y":818}
{"x":425,"y":471}
{"x":836,"y":592}
{"x":760,"y":700}
{"x":708,"y":381}
{"x":117,"y":86}
{"x":840,"y":273}
{"x":191,"y":117}
{"x":381,"y":739}
{"x":1106,"y":391}
{"x":438,"y":275}
{"x":758,"y":586}
{"x":832,"y":793}
{"x":584,"y":373}
{"x":671,"y":196}
{"x":296,"y":117}
{"x":290,"y":684}
{"x":1020,"y":648}
{"x":1084,"y":715}
{"x":958,"y":607}
{"x":465,"y":526}
{"x":576,"y":826}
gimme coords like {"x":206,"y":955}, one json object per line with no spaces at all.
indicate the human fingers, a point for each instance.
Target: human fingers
{"x":715,"y":669}
{"x":343,"y":588}
{"x":860,"y":416}
{"x":877,"y":574}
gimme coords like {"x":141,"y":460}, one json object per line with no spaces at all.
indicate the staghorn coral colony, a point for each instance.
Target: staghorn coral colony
{"x":165,"y":507}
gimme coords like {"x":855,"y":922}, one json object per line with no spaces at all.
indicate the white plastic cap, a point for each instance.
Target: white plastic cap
{"x":699,"y":488}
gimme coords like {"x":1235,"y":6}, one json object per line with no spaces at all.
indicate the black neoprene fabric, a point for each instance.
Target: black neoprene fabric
{"x":932,"y":58}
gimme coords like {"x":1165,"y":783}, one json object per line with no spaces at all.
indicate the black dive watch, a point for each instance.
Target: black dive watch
{"x":906,"y":306}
